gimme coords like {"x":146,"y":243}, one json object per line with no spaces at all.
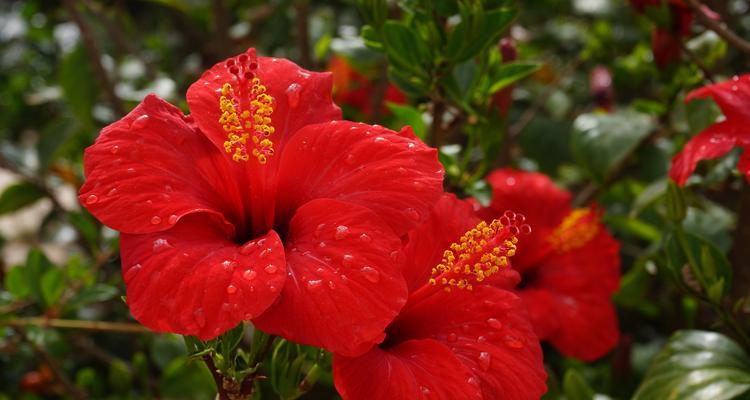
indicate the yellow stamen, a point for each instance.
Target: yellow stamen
{"x":253,"y":122}
{"x":576,"y":230}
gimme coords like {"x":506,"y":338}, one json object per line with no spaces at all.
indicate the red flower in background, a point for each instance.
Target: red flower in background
{"x":733,"y":97}
{"x":462,"y":334}
{"x":260,"y":200}
{"x":569,"y":265}
{"x":666,"y":41}
{"x":352,"y":88}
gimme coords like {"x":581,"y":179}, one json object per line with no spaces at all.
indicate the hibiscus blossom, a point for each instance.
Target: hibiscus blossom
{"x":462,"y":333}
{"x":733,"y":97}
{"x":352,"y":88}
{"x":260,"y":201}
{"x":569,"y":264}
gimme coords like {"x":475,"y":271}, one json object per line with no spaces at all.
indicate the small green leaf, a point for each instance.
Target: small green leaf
{"x":676,"y":208}
{"x":53,"y":285}
{"x":509,"y":74}
{"x":18,"y":196}
{"x":476,"y":31}
{"x":408,"y":115}
{"x":16,"y":283}
{"x":405,"y":50}
{"x":93,"y":294}
{"x":575,"y":386}
{"x":37,"y":265}
{"x":599,"y":142}
{"x":697,"y":365}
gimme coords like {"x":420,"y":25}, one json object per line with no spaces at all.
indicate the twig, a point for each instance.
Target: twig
{"x":740,"y":250}
{"x":95,"y":57}
{"x":727,"y":34}
{"x":436,"y":129}
{"x":302,"y":9}
{"x":218,"y":377}
{"x":102,"y":326}
{"x":71,"y":389}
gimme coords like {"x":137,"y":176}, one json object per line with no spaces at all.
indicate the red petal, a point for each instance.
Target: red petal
{"x":449,"y":219}
{"x":151,"y":168}
{"x":536,"y":197}
{"x":193,"y":280}
{"x":300,"y":97}
{"x":578,"y":285}
{"x":412,"y":370}
{"x":488,"y":330}
{"x":732,"y":96}
{"x":713,"y":142}
{"x":345,"y":284}
{"x":394,"y":174}
{"x":743,"y":165}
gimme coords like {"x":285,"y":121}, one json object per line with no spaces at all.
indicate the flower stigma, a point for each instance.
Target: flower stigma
{"x":246,"y":112}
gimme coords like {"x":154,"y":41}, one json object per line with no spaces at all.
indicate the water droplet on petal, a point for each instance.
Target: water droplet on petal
{"x":247,"y":248}
{"x":484,"y":360}
{"x":273,"y":289}
{"x":513,"y":342}
{"x":132,"y":272}
{"x":365,"y":238}
{"x":173,"y":219}
{"x":114,"y":149}
{"x":494,"y":323}
{"x":314,"y":283}
{"x":331,"y":285}
{"x":161,"y":244}
{"x":131,"y":170}
{"x":452,"y":337}
{"x":139,"y":122}
{"x":231,"y":289}
{"x":348,"y":260}
{"x":249,"y":274}
{"x":425,"y":390}
{"x":155,"y":220}
{"x":371,"y":274}
{"x":264,"y":253}
{"x":271,"y":269}
{"x":112,"y":192}
{"x":349,"y":160}
{"x":472,"y":381}
{"x":342,"y":231}
{"x":481,"y":339}
{"x":293,"y":94}
{"x":92,"y":199}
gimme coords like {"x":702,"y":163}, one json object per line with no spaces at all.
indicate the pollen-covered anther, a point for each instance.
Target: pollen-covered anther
{"x":480,"y":253}
{"x":576,"y":230}
{"x":246,"y":112}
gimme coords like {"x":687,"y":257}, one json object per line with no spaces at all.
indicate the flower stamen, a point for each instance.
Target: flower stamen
{"x":576,"y":230}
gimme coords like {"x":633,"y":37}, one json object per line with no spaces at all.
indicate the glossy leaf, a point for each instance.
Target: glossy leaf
{"x":18,"y":196}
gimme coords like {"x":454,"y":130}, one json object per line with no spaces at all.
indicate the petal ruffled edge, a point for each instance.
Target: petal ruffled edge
{"x":715,"y":141}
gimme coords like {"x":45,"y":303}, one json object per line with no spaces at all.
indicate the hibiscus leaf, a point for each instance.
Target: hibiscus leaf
{"x":16,"y":283}
{"x":600,"y":142}
{"x":697,"y":365}
{"x":511,"y":73}
{"x":18,"y":196}
{"x":93,"y":294}
{"x":403,"y":48}
{"x":575,"y":386}
{"x":408,"y":115}
{"x":476,"y":31}
{"x":53,"y":285}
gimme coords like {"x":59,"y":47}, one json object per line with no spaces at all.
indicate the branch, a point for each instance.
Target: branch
{"x":95,"y":56}
{"x":720,"y":29}
{"x":102,"y":326}
{"x":302,"y":9}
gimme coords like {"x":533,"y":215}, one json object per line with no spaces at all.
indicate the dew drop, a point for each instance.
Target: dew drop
{"x":314,"y":283}
{"x":112,"y":192}
{"x":331,"y":285}
{"x":247,"y":248}
{"x":342,"y":231}
{"x":292,"y":94}
{"x":425,"y":390}
{"x":132,"y":272}
{"x":484,"y":360}
{"x":114,"y":149}
{"x":365,"y":238}
{"x":131,"y":170}
{"x":494,"y":323}
{"x":452,"y":337}
{"x":92,"y":199}
{"x":371,"y":274}
{"x":231,"y":289}
{"x":472,"y":381}
{"x":155,"y":220}
{"x":264,"y":253}
{"x":513,"y":342}
{"x":380,"y":139}
{"x":348,"y":260}
{"x":161,"y":244}
{"x":481,"y":339}
{"x":349,"y":160}
{"x":271,"y":269}
{"x":139,"y":122}
{"x":273,"y":289}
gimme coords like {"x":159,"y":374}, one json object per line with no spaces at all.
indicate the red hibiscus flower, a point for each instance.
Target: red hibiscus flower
{"x":260,"y":201}
{"x":733,"y":97}
{"x":352,"y":88}
{"x":462,"y":334}
{"x":569,"y":264}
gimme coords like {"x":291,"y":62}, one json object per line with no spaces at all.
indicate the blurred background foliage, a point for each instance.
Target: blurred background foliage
{"x":570,"y":88}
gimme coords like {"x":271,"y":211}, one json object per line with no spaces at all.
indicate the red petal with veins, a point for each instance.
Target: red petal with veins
{"x":715,"y":141}
{"x":488,"y":331}
{"x":344,"y":285}
{"x":412,"y":370}
{"x":732,"y":96}
{"x":536,"y":197}
{"x":193,"y":280}
{"x":569,"y":298}
{"x":394,"y":174}
{"x":136,"y":175}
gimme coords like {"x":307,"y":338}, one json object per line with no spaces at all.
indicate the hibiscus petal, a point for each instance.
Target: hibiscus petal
{"x":536,"y":197}
{"x":149,"y":169}
{"x":732,"y":96}
{"x":713,"y":142}
{"x":415,"y":369}
{"x":578,"y":287}
{"x":394,"y":174}
{"x":192,"y":280}
{"x":345,"y":284}
{"x":488,"y":330}
{"x":300,"y":97}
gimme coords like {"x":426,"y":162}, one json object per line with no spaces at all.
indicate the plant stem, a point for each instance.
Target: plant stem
{"x":727,"y":34}
{"x":102,"y":326}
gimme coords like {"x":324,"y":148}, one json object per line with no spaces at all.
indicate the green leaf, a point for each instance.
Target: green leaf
{"x":93,"y":294}
{"x":714,"y":270}
{"x":408,"y":115}
{"x":509,"y":74}
{"x":79,"y":88}
{"x":600,"y":142}
{"x":676,"y":208}
{"x":53,"y":285}
{"x":404,"y":49}
{"x":575,"y":386}
{"x":476,"y":31}
{"x":37,"y":265}
{"x":16,"y":283}
{"x":697,"y":365}
{"x":18,"y":196}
